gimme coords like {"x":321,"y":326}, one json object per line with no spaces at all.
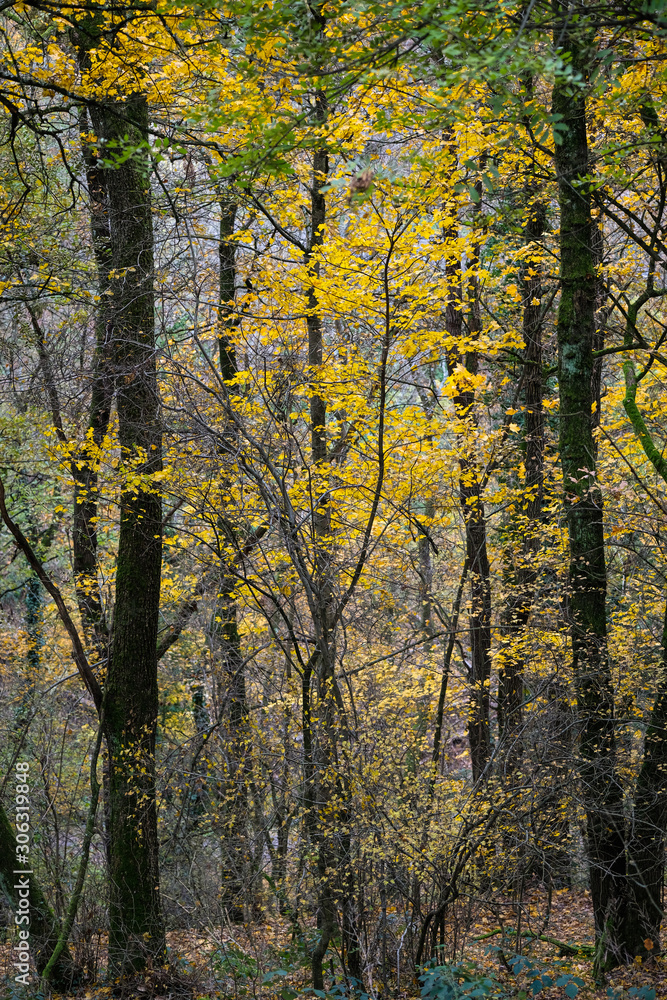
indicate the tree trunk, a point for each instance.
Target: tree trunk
{"x":235,"y":849}
{"x":320,"y":748}
{"x":136,"y":936}
{"x":646,"y":845}
{"x":84,"y":468}
{"x":523,"y":578}
{"x":123,"y":244}
{"x":198,"y":799}
{"x":426,"y":571}
{"x":587,"y":571}
{"x":472,"y":508}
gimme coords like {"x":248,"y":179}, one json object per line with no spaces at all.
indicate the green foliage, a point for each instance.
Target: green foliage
{"x":635,"y":993}
{"x":336,"y":992}
{"x":232,"y":962}
{"x":284,"y":991}
{"x":453,"y":981}
{"x":456,"y":980}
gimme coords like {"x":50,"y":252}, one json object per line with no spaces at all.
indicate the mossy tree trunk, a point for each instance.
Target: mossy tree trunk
{"x":136,"y":937}
{"x":122,"y":230}
{"x":605,"y":838}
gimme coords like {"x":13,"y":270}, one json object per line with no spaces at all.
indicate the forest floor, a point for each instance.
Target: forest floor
{"x":259,"y":962}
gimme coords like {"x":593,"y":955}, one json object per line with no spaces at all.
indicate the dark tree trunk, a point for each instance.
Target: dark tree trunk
{"x":587,"y":575}
{"x":228,"y":319}
{"x":646,"y":845}
{"x":426,"y":563}
{"x":198,"y":799}
{"x":522,"y":578}
{"x":84,"y":468}
{"x":480,"y":626}
{"x":472,"y":508}
{"x":320,"y":833}
{"x":235,"y":848}
{"x":136,"y":936}
{"x":478,"y":560}
{"x":123,"y":244}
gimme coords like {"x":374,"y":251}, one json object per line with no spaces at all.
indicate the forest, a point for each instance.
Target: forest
{"x":333,"y":499}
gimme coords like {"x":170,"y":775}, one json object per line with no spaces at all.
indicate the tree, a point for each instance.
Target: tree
{"x":587,"y":610}
{"x":123,"y":242}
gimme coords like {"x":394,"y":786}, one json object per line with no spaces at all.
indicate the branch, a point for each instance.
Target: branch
{"x":618,"y":350}
{"x":49,"y":379}
{"x":652,"y":254}
{"x":189,"y":606}
{"x":80,"y":659}
{"x":456,"y":609}
{"x":637,"y":477}
{"x":630,"y":401}
{"x":294,"y":240}
{"x":185,"y":612}
{"x":638,"y":423}
{"x":366,"y":544}
{"x":563,"y":946}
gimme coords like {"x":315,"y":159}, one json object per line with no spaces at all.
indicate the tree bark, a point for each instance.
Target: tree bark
{"x":235,"y":848}
{"x":646,"y":844}
{"x":236,"y":872}
{"x":123,"y":245}
{"x":472,"y":509}
{"x":136,"y":936}
{"x":319,"y":750}
{"x":587,"y":571}
{"x":518,"y":605}
{"x":84,"y":467}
